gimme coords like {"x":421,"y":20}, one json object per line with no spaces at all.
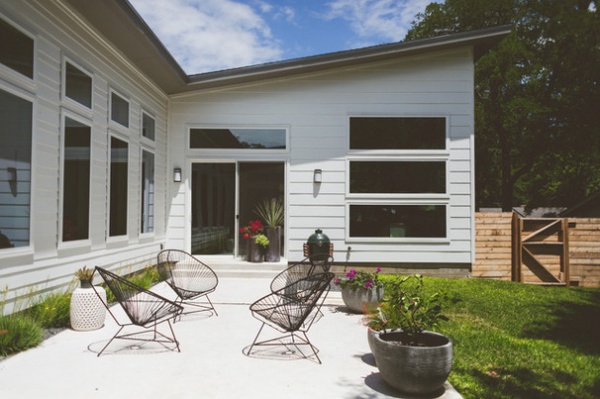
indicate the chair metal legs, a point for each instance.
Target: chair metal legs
{"x":292,"y":341}
{"x":157,"y":337}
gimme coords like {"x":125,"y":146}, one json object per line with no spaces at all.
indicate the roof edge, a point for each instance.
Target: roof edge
{"x":486,"y":37}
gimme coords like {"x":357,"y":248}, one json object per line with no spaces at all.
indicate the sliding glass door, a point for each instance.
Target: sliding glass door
{"x":224,"y":197}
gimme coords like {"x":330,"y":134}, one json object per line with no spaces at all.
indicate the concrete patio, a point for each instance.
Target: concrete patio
{"x":211,"y":363}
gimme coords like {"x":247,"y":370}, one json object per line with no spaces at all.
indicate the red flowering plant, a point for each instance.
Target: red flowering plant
{"x":355,"y":280}
{"x":255,"y":230}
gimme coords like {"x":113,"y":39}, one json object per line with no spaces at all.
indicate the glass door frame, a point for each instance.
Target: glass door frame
{"x":237,"y":222}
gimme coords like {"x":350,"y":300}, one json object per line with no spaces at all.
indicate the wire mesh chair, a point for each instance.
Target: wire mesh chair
{"x":144,"y":308}
{"x":308,"y":266}
{"x":288,"y":311}
{"x":189,"y":278}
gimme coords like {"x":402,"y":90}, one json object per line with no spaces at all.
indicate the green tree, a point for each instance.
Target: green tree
{"x":536,"y":98}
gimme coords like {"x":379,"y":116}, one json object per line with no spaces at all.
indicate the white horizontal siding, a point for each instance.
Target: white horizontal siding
{"x":316,"y":108}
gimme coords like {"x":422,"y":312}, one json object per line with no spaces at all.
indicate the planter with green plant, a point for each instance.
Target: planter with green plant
{"x":410,"y":357}
{"x":88,"y":308}
{"x":361,"y":291}
{"x":272,"y":211}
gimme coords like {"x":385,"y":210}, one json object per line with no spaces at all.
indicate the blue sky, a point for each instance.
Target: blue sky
{"x":209,"y":35}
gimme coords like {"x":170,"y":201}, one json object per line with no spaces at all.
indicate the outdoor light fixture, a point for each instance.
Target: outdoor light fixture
{"x":12,"y":174}
{"x":177,"y":175}
{"x":317,"y":176}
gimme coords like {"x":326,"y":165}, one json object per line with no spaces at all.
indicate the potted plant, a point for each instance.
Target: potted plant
{"x":410,"y":357}
{"x":272,"y":211}
{"x":87,"y":310}
{"x":360,"y":290}
{"x":257,"y":241}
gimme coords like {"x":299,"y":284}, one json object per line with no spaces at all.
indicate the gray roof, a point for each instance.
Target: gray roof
{"x":118,"y":21}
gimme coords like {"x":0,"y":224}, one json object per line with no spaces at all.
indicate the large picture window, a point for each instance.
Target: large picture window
{"x":267,"y":139}
{"x":407,"y":177}
{"x":398,"y":221}
{"x":76,"y":181}
{"x":15,"y":170}
{"x":397,"y":179}
{"x":16,"y":49}
{"x":119,"y":153}
{"x":397,"y":133}
{"x":147,"y":192}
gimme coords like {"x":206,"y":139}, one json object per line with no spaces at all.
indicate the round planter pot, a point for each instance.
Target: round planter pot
{"x":87,"y":311}
{"x":356,"y":300}
{"x":413,"y":369}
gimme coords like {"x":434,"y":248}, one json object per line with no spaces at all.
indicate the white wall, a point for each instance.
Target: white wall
{"x":47,"y":263}
{"x":317,"y":108}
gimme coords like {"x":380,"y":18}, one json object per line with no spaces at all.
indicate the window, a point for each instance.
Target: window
{"x":269,"y":139}
{"x":15,"y":170}
{"x":16,"y":49}
{"x":398,"y":133}
{"x":78,"y":85}
{"x":405,"y":177}
{"x":395,"y":221}
{"x":397,"y":188}
{"x":147,"y":126}
{"x":119,"y":109}
{"x":119,"y":154}
{"x":76,"y":181}
{"x":147,"y":192}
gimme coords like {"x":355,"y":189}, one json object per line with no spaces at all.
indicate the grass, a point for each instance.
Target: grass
{"x":516,"y":341}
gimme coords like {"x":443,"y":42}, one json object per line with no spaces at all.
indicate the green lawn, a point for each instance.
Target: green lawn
{"x":514,"y":340}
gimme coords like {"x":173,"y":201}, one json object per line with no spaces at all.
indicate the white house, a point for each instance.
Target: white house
{"x":375,"y":146}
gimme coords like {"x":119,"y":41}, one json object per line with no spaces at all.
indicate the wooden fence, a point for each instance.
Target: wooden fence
{"x":494,"y":249}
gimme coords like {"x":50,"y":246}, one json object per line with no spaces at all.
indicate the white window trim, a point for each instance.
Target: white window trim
{"x":417,"y":155}
{"x":143,"y":139}
{"x":250,"y":153}
{"x":68,"y":102}
{"x":116,"y":125}
{"x":27,"y":250}
{"x":125,"y":237}
{"x":75,"y":243}
{"x":141,"y":214}
{"x":398,"y":240}
{"x":13,"y":76}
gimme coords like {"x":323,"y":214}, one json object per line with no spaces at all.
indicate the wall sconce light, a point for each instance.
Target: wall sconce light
{"x":12,"y":174}
{"x":317,"y":176}
{"x":177,"y":175}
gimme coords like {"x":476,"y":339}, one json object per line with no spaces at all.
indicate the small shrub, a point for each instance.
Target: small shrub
{"x":53,"y":311}
{"x":19,"y":333}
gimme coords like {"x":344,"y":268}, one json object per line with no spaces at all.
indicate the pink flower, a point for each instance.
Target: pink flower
{"x":378,"y":269}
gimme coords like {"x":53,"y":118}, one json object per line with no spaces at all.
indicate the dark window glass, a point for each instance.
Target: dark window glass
{"x":76,"y":182}
{"x":412,"y":221}
{"x":118,"y":187}
{"x":397,"y":133}
{"x":397,"y":177}
{"x":147,"y":192}
{"x":119,"y":111}
{"x":271,"y":139}
{"x":147,"y":127}
{"x":15,"y":170}
{"x":16,"y":49}
{"x":78,"y":86}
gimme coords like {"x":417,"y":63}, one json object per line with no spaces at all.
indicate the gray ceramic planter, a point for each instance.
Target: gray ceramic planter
{"x":357,"y":299}
{"x":413,"y":369}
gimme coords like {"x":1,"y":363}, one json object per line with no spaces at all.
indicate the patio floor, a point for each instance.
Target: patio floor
{"x":211,"y":363}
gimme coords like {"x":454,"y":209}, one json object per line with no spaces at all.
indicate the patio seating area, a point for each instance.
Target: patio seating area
{"x":211,"y":364}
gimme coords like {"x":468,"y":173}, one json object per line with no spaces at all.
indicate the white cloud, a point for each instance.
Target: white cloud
{"x":375,"y":21}
{"x":206,"y":35}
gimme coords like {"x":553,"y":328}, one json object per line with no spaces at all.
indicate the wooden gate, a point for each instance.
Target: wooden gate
{"x":540,"y":250}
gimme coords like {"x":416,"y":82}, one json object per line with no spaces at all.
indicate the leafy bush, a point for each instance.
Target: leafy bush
{"x":18,"y":333}
{"x":52,"y":311}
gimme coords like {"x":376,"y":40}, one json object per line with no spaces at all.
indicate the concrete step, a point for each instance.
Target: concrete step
{"x":229,"y":268}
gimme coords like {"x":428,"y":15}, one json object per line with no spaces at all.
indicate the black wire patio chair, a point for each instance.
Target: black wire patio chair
{"x":288,"y":311}
{"x":143,"y":308}
{"x":191,"y":279}
{"x":308,"y":266}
